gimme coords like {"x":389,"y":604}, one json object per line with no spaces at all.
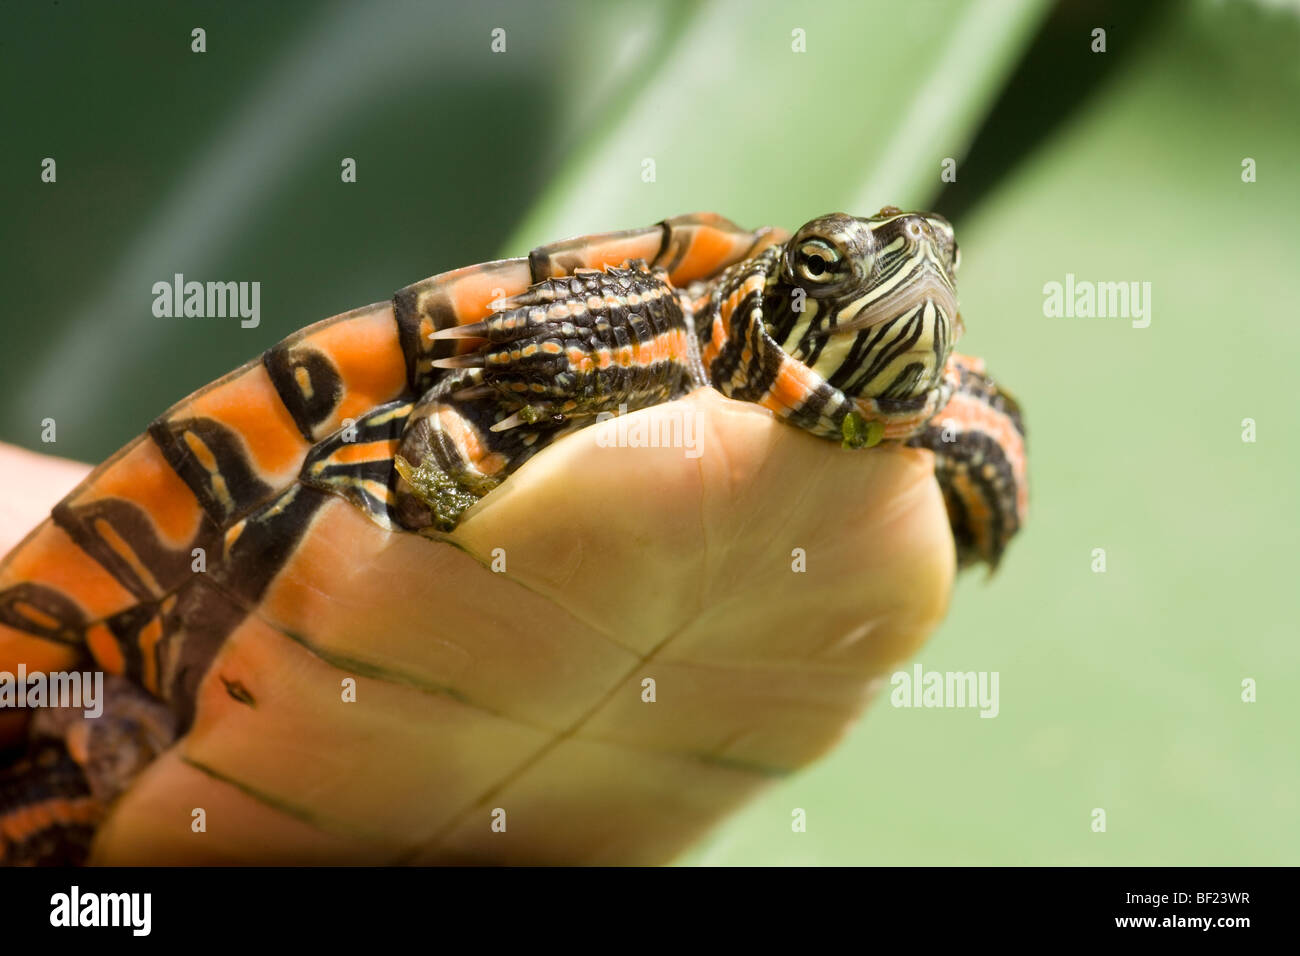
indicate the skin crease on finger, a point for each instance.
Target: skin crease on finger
{"x":623,"y":563}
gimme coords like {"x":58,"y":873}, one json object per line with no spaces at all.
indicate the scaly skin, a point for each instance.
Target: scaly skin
{"x":845,"y":330}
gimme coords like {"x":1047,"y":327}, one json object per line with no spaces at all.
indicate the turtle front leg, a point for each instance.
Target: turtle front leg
{"x":978,"y":440}
{"x":551,"y":360}
{"x":746,"y":363}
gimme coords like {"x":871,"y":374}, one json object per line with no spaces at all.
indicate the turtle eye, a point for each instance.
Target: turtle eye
{"x":817,"y":261}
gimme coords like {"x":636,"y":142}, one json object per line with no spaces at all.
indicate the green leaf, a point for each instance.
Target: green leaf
{"x":1118,"y":690}
{"x":730,"y":118}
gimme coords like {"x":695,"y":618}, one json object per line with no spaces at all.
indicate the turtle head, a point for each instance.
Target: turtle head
{"x":875,"y":265}
{"x":870,"y":304}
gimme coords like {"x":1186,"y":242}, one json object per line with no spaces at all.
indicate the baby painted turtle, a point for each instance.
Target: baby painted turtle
{"x":346,"y":616}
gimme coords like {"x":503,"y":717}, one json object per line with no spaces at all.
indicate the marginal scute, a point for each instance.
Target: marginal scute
{"x":459,"y":297}
{"x":234,"y":443}
{"x":700,"y":245}
{"x":596,"y":252}
{"x":339,"y":369}
{"x":50,"y":560}
{"x":688,"y":248}
{"x":122,"y":536}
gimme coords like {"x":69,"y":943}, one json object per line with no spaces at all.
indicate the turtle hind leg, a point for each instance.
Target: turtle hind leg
{"x":47,"y":812}
{"x":75,"y":765}
{"x":452,"y":454}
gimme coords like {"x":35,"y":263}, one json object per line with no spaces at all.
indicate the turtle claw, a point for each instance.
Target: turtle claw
{"x":473,"y":392}
{"x":527,"y":415}
{"x":476,"y":330}
{"x":468,"y":360}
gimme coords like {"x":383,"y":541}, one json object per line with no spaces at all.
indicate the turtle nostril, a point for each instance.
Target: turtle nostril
{"x":917,"y":229}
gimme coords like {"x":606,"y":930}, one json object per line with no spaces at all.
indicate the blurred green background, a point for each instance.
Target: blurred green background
{"x":1119,"y":690}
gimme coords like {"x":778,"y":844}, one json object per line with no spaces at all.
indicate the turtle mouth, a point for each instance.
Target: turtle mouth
{"x":932,"y":289}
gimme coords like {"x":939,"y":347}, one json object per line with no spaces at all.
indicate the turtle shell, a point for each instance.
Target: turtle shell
{"x":609,"y":653}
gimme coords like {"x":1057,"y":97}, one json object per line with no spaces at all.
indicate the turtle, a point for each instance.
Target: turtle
{"x":375,"y":597}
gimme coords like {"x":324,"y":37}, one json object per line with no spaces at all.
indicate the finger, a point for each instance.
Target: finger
{"x":30,"y":485}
